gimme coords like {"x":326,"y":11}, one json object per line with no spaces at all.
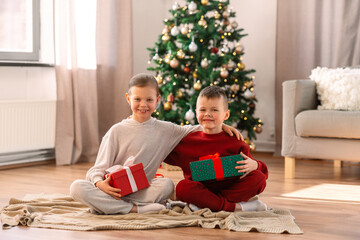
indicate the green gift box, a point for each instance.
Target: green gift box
{"x":215,"y":167}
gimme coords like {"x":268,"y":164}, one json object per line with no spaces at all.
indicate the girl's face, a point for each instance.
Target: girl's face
{"x":143,"y":101}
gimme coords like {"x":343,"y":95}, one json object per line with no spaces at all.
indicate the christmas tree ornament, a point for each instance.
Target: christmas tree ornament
{"x":165,"y":30}
{"x":165,"y":37}
{"x":175,"y":6}
{"x":174,"y":31}
{"x":184,"y":30}
{"x":202,"y":22}
{"x":190,"y":115}
{"x":226,"y":14}
{"x":167,"y":58}
{"x":258,"y":129}
{"x":159,"y":79}
{"x":193,"y":47}
{"x":231,"y":65}
{"x":197,"y":86}
{"x":167,"y":106}
{"x":252,"y":105}
{"x":252,"y":146}
{"x":192,"y":6}
{"x":225,"y":49}
{"x":180,"y":54}
{"x":238,"y":48}
{"x":204,"y":2}
{"x":194,"y":74}
{"x":248,"y":94}
{"x":186,"y":69}
{"x":234,"y":25}
{"x":247,"y":141}
{"x":235,"y":88}
{"x":214,"y":50}
{"x":156,"y":57}
{"x":174,"y":63}
{"x":224,"y":73}
{"x":170,"y":98}
{"x":204,"y":63}
{"x":180,"y":93}
{"x":226,"y":22}
{"x":217,"y":15}
{"x":241,"y":66}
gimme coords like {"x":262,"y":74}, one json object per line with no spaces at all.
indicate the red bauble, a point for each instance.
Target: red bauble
{"x":252,"y":105}
{"x":186,"y":69}
{"x":214,"y":50}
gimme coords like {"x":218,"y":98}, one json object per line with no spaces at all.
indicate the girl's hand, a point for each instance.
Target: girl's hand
{"x":108,"y":189}
{"x":231,"y":131}
{"x":248,"y":166}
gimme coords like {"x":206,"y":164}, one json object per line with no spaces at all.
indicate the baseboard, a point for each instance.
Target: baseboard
{"x":264,"y":146}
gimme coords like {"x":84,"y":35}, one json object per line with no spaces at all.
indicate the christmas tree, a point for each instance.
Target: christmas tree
{"x":200,"y":46}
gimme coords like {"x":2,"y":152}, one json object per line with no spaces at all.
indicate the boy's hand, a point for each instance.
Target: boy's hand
{"x":248,"y":166}
{"x":107,"y":188}
{"x":231,"y":131}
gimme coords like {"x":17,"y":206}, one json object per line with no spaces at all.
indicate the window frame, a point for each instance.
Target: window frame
{"x":35,"y":54}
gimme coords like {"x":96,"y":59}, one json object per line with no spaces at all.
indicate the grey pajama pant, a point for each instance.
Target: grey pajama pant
{"x":85,"y":191}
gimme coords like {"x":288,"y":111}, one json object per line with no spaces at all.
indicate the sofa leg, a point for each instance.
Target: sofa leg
{"x":289,"y":167}
{"x":337,"y":167}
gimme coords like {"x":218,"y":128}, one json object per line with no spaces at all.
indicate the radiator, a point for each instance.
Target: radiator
{"x":27,"y":130}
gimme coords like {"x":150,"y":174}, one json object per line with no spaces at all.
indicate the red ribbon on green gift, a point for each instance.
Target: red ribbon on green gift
{"x":219,"y":172}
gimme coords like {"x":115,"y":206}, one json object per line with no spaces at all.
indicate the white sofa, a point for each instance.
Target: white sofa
{"x":316,"y":134}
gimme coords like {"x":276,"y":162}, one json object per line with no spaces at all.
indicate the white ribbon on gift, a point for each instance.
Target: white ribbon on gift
{"x":131,"y":179}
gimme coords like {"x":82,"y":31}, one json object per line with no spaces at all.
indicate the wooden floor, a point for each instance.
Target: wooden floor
{"x":319,"y":219}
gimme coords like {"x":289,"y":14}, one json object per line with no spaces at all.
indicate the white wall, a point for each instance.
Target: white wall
{"x":257,"y":17}
{"x":22,"y":83}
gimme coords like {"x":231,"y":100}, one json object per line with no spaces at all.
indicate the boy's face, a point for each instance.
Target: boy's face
{"x":143,"y":101}
{"x":211,"y":113}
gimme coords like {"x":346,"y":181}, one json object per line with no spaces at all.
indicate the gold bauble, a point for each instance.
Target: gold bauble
{"x":197,"y":86}
{"x":238,"y":49}
{"x":165,"y":37}
{"x":195,"y":74}
{"x":167,"y":106}
{"x":247,"y":141}
{"x":159,"y":79}
{"x":204,"y":2}
{"x":252,"y":146}
{"x":217,"y":15}
{"x":258,"y":129}
{"x":167,"y":58}
{"x":180,"y":54}
{"x":241,"y":66}
{"x":202,"y":22}
{"x":179,"y":94}
{"x":184,"y":30}
{"x":234,"y":24}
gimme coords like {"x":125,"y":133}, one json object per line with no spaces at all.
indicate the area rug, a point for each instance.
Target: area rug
{"x":59,"y":211}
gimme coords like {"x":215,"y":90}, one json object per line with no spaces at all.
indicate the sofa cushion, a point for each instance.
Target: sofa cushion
{"x":328,"y":123}
{"x":338,"y":89}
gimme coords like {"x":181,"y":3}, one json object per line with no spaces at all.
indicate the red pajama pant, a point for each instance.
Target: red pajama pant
{"x":221,"y":195}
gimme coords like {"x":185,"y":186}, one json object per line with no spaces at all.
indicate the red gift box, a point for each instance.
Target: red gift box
{"x":129,"y":179}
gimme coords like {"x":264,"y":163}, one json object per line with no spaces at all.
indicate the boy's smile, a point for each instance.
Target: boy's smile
{"x":211,"y":113}
{"x":143,"y":101}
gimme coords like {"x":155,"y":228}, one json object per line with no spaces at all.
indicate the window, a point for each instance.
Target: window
{"x":19,"y":30}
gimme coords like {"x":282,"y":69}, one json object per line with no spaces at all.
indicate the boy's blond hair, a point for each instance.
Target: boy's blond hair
{"x":212,"y":92}
{"x":143,"y":80}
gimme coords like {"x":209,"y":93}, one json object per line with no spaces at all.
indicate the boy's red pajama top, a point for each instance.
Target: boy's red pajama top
{"x":216,"y":195}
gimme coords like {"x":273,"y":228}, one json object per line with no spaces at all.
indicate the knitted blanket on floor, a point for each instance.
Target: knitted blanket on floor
{"x":59,"y":211}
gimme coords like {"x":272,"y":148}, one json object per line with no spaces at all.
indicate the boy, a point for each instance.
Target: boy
{"x":148,"y":140}
{"x":230,"y":194}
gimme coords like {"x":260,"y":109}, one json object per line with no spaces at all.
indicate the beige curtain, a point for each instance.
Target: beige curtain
{"x":91,"y":78}
{"x":313,"y":33}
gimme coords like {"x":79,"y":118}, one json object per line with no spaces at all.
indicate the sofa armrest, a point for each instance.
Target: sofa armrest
{"x":298,"y":95}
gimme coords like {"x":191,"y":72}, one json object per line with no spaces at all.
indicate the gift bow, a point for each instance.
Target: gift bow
{"x":219,"y":172}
